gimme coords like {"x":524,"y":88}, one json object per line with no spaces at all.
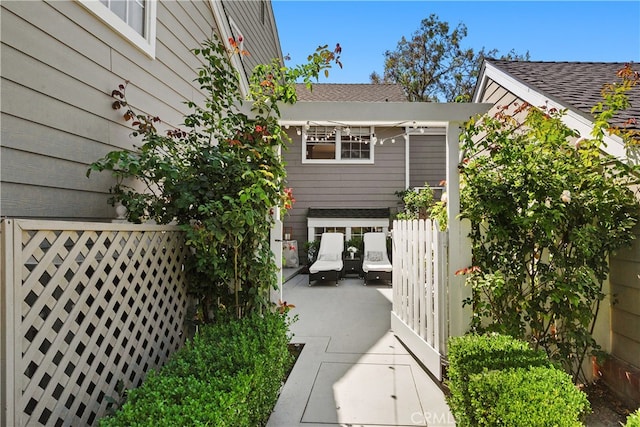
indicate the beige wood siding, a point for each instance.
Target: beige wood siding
{"x":59,"y":66}
{"x":427,"y":160}
{"x":625,"y":312}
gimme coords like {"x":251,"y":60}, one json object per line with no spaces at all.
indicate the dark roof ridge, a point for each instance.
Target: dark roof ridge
{"x":327,"y":84}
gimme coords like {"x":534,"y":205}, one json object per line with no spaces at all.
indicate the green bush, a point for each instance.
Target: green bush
{"x":228,"y":375}
{"x":633,"y":420}
{"x":472,"y":354}
{"x":526,"y":397}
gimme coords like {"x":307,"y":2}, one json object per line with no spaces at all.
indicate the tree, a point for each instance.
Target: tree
{"x":433,"y":66}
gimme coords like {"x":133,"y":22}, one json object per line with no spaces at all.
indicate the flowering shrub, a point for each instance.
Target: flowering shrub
{"x":219,"y":176}
{"x":417,"y":203}
{"x":545,"y":213}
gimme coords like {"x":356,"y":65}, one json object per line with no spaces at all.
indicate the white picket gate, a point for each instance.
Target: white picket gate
{"x":419,"y":316}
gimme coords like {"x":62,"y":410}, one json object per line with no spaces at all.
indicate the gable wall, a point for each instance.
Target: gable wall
{"x":624,"y":340}
{"x":427,"y":160}
{"x":358,"y":186}
{"x":59,"y":66}
{"x":342,"y":186}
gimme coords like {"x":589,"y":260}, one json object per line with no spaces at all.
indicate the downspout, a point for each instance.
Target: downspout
{"x":406,"y":159}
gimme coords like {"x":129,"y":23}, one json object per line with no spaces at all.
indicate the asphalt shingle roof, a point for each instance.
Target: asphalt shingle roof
{"x":359,"y":92}
{"x":348,"y":213}
{"x":577,"y":85}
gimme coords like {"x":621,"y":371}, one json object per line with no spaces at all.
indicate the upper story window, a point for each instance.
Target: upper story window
{"x":130,"y":11}
{"x":328,"y":144}
{"x":135,"y":20}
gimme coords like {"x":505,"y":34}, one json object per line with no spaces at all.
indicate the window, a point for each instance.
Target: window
{"x":349,"y":232}
{"x":328,"y":144}
{"x":319,"y":230}
{"x":131,"y":12}
{"x":135,"y":20}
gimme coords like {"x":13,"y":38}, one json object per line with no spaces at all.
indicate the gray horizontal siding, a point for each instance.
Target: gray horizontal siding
{"x":260,"y":39}
{"x":427,"y":160}
{"x":49,"y":202}
{"x":59,"y":66}
{"x":342,"y":185}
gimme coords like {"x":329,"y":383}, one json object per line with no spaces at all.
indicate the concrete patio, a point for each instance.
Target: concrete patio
{"x":352,"y":371}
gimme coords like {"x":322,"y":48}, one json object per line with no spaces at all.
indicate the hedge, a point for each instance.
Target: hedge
{"x":532,"y":397}
{"x":472,"y":354}
{"x":633,"y":420}
{"x":230,"y":374}
{"x":494,"y":364}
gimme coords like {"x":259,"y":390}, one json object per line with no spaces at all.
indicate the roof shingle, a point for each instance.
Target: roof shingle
{"x":358,"y":92}
{"x":577,"y":85}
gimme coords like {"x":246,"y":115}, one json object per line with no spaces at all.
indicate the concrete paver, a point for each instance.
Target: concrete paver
{"x":352,"y":370}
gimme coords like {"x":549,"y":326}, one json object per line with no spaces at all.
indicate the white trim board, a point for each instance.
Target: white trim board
{"x":146,"y":44}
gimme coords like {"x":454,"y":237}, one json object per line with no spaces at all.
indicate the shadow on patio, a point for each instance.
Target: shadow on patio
{"x":352,"y":371}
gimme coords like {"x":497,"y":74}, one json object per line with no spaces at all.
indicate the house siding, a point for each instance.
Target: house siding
{"x":427,"y":160}
{"x":59,"y":66}
{"x":625,"y":311}
{"x":342,"y":185}
{"x":256,"y":22}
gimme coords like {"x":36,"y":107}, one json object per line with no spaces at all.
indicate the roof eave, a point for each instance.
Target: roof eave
{"x":574,"y":118}
{"x":380,"y":113}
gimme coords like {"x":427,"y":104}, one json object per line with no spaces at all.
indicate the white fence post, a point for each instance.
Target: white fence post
{"x":7,"y":325}
{"x":459,"y":249}
{"x":276,"y":295}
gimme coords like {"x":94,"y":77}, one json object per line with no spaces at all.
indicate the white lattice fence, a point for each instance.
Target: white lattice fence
{"x":83,"y":306}
{"x":419,"y":316}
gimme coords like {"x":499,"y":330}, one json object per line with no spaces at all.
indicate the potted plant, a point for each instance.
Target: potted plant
{"x":355,"y":245}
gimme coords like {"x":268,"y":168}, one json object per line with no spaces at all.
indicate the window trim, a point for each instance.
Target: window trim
{"x":346,"y":223}
{"x":338,"y":147}
{"x":226,"y":27}
{"x":146,"y":44}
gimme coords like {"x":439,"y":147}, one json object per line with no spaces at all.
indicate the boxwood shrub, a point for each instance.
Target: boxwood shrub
{"x":633,"y":420}
{"x":230,"y":374}
{"x":526,"y":397}
{"x":472,"y":354}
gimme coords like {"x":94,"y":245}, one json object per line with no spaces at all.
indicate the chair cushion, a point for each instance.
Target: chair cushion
{"x":374,"y":256}
{"x":328,"y":257}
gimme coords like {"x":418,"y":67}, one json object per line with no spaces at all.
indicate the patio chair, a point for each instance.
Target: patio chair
{"x":376,"y":264}
{"x":329,"y":265}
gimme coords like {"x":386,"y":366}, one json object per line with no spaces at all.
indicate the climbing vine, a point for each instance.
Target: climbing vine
{"x":546,"y":213}
{"x":219,"y":176}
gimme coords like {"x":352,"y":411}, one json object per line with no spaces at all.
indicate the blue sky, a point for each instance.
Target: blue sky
{"x":606,"y":31}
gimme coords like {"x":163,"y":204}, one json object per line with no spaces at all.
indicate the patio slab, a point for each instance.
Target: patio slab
{"x":352,"y":370}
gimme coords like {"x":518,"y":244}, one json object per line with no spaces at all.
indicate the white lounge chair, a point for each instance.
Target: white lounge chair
{"x":376,"y":264}
{"x":329,"y":265}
